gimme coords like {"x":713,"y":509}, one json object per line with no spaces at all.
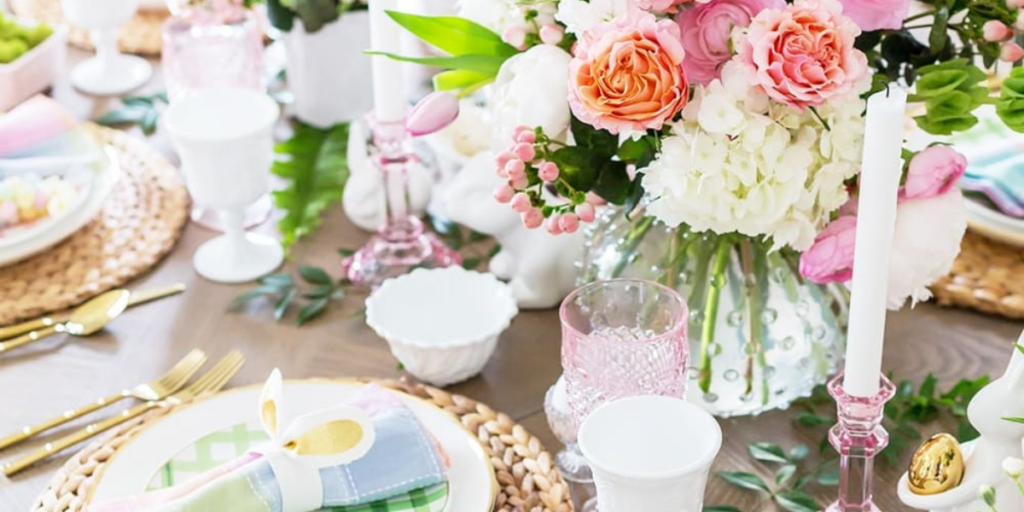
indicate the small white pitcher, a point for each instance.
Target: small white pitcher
{"x":650,"y":454}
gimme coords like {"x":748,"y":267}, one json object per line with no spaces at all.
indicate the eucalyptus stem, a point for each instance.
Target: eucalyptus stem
{"x":717,"y":278}
{"x":636,"y":235}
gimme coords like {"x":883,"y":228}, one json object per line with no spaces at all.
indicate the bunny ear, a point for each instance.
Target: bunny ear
{"x":332,"y":437}
{"x":270,"y":404}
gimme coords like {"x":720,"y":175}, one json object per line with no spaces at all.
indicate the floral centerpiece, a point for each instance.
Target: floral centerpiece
{"x":727,"y":137}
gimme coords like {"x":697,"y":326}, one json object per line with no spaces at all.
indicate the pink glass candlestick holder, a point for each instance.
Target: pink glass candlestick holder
{"x":858,"y":437}
{"x":402,"y":243}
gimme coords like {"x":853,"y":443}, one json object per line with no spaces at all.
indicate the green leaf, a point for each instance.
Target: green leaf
{"x":249,"y":296}
{"x":939,"y":82}
{"x":797,"y":501}
{"x":281,"y":17}
{"x":601,"y":143}
{"x":149,"y":122}
{"x":471,"y":263}
{"x":799,"y":452}
{"x":1020,"y":348}
{"x":315,"y":275}
{"x":809,"y":419}
{"x":744,"y":480}
{"x":928,"y":386}
{"x":939,"y":36}
{"x":613,"y":183}
{"x":316,"y":13}
{"x":485,"y":65}
{"x":767,"y":452}
{"x":319,"y":292}
{"x":966,"y":432}
{"x":345,"y":253}
{"x":315,"y":163}
{"x":131,"y":114}
{"x":282,"y":304}
{"x":1015,"y":420}
{"x":278,"y":280}
{"x":312,"y":310}
{"x":721,"y":508}
{"x":829,"y":478}
{"x":577,"y":167}
{"x":460,"y":79}
{"x":784,"y":474}
{"x":457,"y":36}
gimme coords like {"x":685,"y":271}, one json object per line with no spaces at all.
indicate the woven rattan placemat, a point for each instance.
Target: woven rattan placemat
{"x":987,"y":276}
{"x":138,"y":225}
{"x":526,"y":475}
{"x":141,"y":35}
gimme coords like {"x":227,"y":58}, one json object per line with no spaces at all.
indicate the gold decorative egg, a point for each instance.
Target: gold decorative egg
{"x":937,"y":466}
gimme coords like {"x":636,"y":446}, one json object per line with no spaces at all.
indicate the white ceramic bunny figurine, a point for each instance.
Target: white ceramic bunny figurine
{"x":1003,"y":398}
{"x":363,"y":199}
{"x":540,"y":267}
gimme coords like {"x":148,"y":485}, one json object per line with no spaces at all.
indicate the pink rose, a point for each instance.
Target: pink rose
{"x":803,"y":55}
{"x":627,"y":74}
{"x":662,"y":5}
{"x":872,"y":15}
{"x":706,"y":31}
{"x":830,"y":259}
{"x":933,"y":172}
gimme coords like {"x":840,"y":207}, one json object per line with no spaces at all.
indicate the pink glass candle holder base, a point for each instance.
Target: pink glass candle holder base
{"x":858,"y":437}
{"x":402,"y":243}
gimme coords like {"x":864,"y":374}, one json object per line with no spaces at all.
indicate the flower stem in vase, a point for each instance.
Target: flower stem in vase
{"x":755,"y":274}
{"x":632,"y":242}
{"x":717,"y":281}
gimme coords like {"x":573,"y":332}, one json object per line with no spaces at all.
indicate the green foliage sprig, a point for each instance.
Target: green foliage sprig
{"x":951,"y":91}
{"x":284,"y":290}
{"x":787,"y":488}
{"x":1010,"y":106}
{"x":141,"y":110}
{"x":315,"y":163}
{"x":476,"y":53}
{"x":314,"y":14}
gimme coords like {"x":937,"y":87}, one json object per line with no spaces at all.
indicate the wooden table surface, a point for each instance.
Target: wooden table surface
{"x":59,"y":373}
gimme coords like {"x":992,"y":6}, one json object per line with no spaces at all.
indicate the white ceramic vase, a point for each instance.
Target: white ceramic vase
{"x":328,"y":73}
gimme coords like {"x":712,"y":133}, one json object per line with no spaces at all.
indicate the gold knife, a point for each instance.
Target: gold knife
{"x":136,"y":298}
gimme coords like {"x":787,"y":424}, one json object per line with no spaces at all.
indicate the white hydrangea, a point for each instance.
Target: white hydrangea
{"x":739,"y":162}
{"x":493,"y":14}
{"x":579,"y":15}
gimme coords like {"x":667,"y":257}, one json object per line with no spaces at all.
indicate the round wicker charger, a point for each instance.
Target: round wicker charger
{"x":139,"y":223}
{"x":526,"y":475}
{"x":987,"y":276}
{"x":141,"y":35}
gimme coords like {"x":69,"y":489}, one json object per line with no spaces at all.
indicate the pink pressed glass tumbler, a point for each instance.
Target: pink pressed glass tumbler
{"x":621,"y":338}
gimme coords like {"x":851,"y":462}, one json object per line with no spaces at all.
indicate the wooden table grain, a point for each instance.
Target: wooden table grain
{"x":61,"y":372}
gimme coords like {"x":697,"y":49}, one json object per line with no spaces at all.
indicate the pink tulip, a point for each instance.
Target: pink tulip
{"x":933,"y":172}
{"x":433,"y":113}
{"x":1011,"y":52}
{"x":830,"y":259}
{"x":996,"y":31}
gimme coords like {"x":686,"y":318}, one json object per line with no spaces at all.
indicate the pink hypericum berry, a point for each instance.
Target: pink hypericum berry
{"x":515,"y":35}
{"x":1011,"y":52}
{"x":504,"y":193}
{"x":996,"y":31}
{"x":527,"y":136}
{"x":595,"y":199}
{"x":521,"y":202}
{"x":532,"y":218}
{"x":519,"y":130}
{"x":552,"y":34}
{"x":503,"y":158}
{"x":553,"y":225}
{"x":515,"y":168}
{"x":586,"y":212}
{"x":525,"y":152}
{"x":520,"y":182}
{"x":548,"y":172}
{"x":569,"y":222}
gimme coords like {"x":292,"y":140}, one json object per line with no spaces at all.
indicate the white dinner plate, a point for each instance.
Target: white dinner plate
{"x":994,"y":224}
{"x":50,"y":232}
{"x":471,"y":480}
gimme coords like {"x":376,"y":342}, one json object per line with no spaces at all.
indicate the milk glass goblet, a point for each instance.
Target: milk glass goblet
{"x":225,"y":141}
{"x":622,"y":338}
{"x":110,"y":72}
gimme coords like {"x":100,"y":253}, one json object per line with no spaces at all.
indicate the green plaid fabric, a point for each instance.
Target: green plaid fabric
{"x":233,"y":442}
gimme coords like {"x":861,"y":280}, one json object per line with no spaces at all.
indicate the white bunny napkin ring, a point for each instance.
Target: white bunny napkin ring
{"x":325,"y":438}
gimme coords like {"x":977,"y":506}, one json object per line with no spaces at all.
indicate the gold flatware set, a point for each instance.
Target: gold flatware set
{"x":167,"y":391}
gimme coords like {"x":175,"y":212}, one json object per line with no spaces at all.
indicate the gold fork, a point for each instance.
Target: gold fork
{"x":172,"y":381}
{"x":213,"y":380}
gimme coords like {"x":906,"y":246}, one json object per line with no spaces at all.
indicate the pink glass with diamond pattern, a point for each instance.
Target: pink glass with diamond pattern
{"x":622,"y":338}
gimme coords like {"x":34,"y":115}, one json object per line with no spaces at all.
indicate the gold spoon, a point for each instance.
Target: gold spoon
{"x":87,"y":319}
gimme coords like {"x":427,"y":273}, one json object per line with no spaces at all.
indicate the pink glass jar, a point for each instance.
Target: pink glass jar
{"x":211,"y":43}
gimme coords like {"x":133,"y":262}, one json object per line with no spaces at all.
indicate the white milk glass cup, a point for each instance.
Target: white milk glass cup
{"x":225,"y":140}
{"x":650,"y":454}
{"x":110,"y":72}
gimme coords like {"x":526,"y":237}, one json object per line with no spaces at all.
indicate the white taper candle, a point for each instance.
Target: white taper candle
{"x":876,"y":221}
{"x":389,"y":101}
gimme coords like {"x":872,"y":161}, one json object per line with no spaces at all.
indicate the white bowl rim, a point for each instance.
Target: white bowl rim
{"x":500,"y":323}
{"x":60,"y":33}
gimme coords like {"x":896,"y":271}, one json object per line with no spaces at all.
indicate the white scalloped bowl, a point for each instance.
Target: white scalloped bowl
{"x":442,"y":324}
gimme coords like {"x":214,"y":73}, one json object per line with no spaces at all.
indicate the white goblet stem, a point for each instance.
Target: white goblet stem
{"x":105,"y":41}
{"x":233,"y":220}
